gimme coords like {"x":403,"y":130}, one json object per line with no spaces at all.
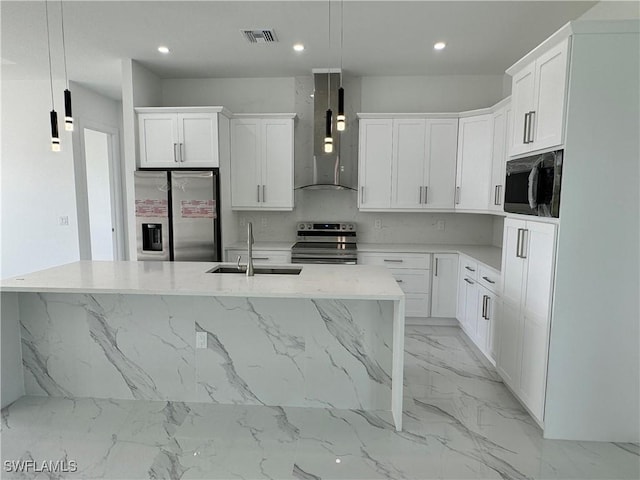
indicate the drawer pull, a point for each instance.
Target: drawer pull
{"x":393,"y":260}
{"x":469,"y":268}
{"x":469,"y":281}
{"x":399,"y":281}
{"x":261,"y":258}
{"x":488,"y":280}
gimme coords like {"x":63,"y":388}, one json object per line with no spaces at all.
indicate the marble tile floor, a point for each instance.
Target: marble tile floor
{"x":460,"y":423}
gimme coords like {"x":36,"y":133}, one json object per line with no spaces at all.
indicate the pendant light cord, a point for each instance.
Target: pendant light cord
{"x":329,"y":63}
{"x":46,"y":11}
{"x":341,"y":36}
{"x":64,"y":49}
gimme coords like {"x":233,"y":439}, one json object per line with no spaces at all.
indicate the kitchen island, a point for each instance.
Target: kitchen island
{"x":330,"y":337}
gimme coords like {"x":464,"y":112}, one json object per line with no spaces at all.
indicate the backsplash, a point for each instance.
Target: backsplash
{"x":396,"y":227}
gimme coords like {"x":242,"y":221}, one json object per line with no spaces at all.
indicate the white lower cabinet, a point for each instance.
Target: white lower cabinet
{"x":528,"y":260}
{"x":479,"y":306}
{"x":412,"y":272}
{"x":274,"y":257}
{"x":444,"y":286}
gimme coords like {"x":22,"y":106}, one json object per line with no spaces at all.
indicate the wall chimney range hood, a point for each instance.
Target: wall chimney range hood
{"x":330,"y":171}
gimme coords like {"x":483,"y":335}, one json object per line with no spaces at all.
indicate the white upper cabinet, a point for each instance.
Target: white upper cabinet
{"x":374,"y":164}
{"x":538,"y":98}
{"x":262,"y":162}
{"x":170,"y":138}
{"x":473,"y":178}
{"x":407,"y":163}
{"x":500,"y":130}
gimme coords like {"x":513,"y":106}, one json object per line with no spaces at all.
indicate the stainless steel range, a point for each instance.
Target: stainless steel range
{"x":333,"y":243}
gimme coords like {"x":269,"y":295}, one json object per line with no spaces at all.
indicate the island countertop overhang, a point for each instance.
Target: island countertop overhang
{"x":359,"y":282}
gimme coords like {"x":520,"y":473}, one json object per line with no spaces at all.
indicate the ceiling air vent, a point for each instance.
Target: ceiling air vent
{"x":260,"y":36}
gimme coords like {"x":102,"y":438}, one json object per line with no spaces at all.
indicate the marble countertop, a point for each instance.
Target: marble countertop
{"x":489,"y":255}
{"x":361,"y":282}
{"x":285,"y":246}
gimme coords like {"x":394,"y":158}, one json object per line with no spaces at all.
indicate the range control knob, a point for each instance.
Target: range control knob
{"x":301,"y":226}
{"x":309,"y":226}
{"x":351,"y":227}
{"x":343,"y":227}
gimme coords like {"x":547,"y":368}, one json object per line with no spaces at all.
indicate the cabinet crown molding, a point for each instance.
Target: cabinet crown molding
{"x":221,"y":110}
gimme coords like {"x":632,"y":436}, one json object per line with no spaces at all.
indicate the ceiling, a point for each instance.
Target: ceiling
{"x":380,"y":37}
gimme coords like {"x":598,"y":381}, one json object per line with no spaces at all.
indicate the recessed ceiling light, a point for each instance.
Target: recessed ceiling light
{"x":439,"y":45}
{"x":163,"y":49}
{"x":298,"y":47}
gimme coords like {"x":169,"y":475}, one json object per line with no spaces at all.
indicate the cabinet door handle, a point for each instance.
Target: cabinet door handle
{"x":175,"y":155}
{"x":469,"y":268}
{"x":499,"y":195}
{"x":420,"y":201}
{"x":457,"y":195}
{"x":532,"y":116}
{"x":525,"y":130}
{"x":393,"y":260}
{"x":258,"y":187}
{"x":436,"y":272}
{"x":518,"y":243}
{"x":263,"y":195}
{"x":468,"y":281}
{"x":362,"y":194}
{"x":484,"y":306}
{"x":426,"y":189}
{"x":496,"y":200}
{"x":523,"y":244}
{"x":182,"y":152}
{"x":490,"y":281}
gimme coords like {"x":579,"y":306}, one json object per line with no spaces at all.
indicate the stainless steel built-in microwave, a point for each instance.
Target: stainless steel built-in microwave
{"x":532,"y":186}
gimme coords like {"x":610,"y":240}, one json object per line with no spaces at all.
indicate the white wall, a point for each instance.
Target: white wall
{"x":11,"y":376}
{"x":240,"y":95}
{"x":38,"y":185}
{"x":442,"y":93}
{"x":610,"y":10}
{"x":593,"y":387}
{"x":140,"y":88}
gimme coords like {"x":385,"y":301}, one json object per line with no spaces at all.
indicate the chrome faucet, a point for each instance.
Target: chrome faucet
{"x":249,"y":249}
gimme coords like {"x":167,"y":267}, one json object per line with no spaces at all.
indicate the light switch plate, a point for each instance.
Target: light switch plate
{"x":201,"y":339}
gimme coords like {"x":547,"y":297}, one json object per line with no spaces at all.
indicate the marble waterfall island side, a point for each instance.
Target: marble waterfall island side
{"x":331,"y":337}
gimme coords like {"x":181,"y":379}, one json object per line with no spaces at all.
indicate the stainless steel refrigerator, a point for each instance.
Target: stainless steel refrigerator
{"x":177,"y":215}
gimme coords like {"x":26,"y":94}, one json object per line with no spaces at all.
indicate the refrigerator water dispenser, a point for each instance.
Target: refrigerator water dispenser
{"x":152,"y":237}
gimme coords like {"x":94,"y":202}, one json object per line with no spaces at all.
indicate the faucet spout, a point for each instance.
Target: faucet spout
{"x":249,"y":250}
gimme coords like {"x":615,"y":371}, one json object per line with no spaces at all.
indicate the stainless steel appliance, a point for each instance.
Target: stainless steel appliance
{"x":325,"y":242}
{"x":177,"y":215}
{"x":532,"y":186}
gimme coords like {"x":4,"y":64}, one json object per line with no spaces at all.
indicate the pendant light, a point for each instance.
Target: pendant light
{"x":53,"y":116}
{"x":68,"y":116}
{"x":328,"y":138}
{"x":341,"y":119}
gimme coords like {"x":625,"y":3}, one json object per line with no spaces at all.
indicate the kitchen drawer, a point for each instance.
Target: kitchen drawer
{"x":469,"y":267}
{"x":489,"y":278}
{"x":416,"y":305}
{"x":412,"y":281}
{"x":396,"y":260}
{"x":260,"y":256}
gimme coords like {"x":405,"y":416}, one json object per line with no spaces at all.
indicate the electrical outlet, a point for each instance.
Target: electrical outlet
{"x":440,"y":225}
{"x":377,"y":223}
{"x":201,"y":339}
{"x":264,"y":222}
{"x":64,"y":220}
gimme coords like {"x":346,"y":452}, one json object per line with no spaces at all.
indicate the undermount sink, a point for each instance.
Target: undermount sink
{"x":257,"y":270}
